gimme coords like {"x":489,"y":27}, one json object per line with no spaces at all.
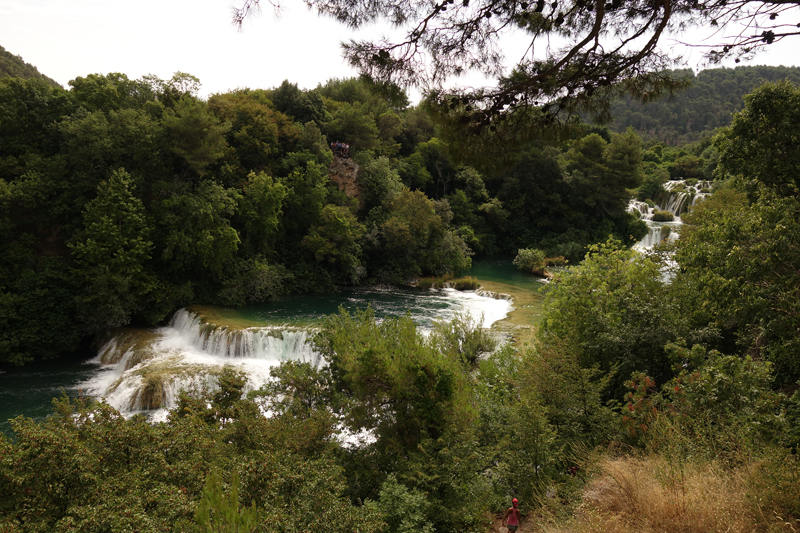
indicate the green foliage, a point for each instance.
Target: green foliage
{"x":404,"y":510}
{"x":660,"y":215}
{"x":110,"y":92}
{"x":701,"y":108}
{"x":463,"y":338}
{"x":302,"y":106}
{"x":354,"y":124}
{"x":195,"y":228}
{"x":219,"y":512}
{"x":112,"y":255}
{"x":602,"y":172}
{"x":759,"y":147}
{"x":571,"y":395}
{"x":334,"y":242}
{"x":378,"y":182}
{"x":12,"y":66}
{"x":259,"y":212}
{"x":29,"y":112}
{"x":197,"y":136}
{"x":740,"y":258}
{"x":389,"y":366}
{"x":530,"y":260}
{"x":415,"y":240}
{"x":630,"y":313}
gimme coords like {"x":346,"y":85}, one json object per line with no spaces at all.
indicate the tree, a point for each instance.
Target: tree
{"x":112,"y":254}
{"x":609,"y":48}
{"x":194,"y":230}
{"x":335,"y":242}
{"x":742,"y":260}
{"x":259,"y":212}
{"x":601,"y":173}
{"x":378,"y":182}
{"x":614,"y":312}
{"x":761,"y":144}
{"x":412,"y":239}
{"x":198,"y":137}
{"x":302,"y":106}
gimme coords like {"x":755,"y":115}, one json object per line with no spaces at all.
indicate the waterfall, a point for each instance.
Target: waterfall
{"x":678,"y":198}
{"x":275,"y":343}
{"x":145,"y":370}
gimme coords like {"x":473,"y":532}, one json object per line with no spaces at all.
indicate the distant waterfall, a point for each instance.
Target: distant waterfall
{"x":678,"y":198}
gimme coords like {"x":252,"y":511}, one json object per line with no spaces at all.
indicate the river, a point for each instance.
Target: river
{"x":256,"y":338}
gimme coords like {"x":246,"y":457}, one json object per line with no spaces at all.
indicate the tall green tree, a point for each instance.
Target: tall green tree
{"x":615,"y":312}
{"x":112,"y":254}
{"x":197,"y":137}
{"x":742,"y":259}
{"x":760,"y":145}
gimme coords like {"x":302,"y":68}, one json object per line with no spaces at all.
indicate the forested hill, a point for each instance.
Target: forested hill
{"x":12,"y":66}
{"x":708,"y":104}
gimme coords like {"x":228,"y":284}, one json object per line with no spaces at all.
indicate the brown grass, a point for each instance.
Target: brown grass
{"x":651,"y":495}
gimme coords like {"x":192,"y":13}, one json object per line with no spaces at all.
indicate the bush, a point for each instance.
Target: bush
{"x":467,"y":283}
{"x":660,"y":215}
{"x":530,"y":260}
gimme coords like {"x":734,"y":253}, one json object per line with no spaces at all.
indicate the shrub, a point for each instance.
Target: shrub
{"x":660,"y":215}
{"x":467,"y":283}
{"x":530,"y":260}
{"x":426,"y":283}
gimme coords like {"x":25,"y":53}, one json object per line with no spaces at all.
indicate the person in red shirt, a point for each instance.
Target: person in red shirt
{"x":511,"y":518}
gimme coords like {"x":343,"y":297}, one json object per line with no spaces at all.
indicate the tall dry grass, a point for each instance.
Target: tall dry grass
{"x":654,"y":495}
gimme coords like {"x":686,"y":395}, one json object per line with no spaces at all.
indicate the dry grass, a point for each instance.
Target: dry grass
{"x":651,"y":495}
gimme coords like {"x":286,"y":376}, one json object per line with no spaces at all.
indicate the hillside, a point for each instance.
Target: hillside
{"x":12,"y":66}
{"x":708,"y":104}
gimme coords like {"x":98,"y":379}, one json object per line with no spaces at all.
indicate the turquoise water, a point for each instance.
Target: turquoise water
{"x":502,"y":270}
{"x":30,"y":390}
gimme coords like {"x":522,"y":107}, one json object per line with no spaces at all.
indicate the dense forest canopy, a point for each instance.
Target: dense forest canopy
{"x":122,"y":200}
{"x":707,"y":104}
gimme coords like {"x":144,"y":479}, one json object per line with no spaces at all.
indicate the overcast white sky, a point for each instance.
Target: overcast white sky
{"x":65,"y":39}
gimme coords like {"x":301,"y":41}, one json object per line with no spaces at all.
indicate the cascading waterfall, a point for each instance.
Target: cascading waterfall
{"x":145,"y":370}
{"x":275,"y":343}
{"x":678,"y":198}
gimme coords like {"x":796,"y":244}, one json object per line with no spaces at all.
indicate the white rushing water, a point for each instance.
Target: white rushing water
{"x":145,"y":370}
{"x":680,"y":197}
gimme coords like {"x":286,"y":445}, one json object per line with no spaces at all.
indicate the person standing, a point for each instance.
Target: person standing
{"x":511,"y":519}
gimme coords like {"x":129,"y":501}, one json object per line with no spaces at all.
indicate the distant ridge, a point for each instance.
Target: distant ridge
{"x":708,"y":104}
{"x":12,"y":66}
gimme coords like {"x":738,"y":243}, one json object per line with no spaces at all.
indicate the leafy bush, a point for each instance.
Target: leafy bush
{"x":530,"y":260}
{"x":467,"y":283}
{"x":660,"y":215}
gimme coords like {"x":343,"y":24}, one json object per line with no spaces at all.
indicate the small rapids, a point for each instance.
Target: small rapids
{"x":144,"y":370}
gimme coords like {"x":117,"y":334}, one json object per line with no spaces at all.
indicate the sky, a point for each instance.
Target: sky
{"x":65,"y":39}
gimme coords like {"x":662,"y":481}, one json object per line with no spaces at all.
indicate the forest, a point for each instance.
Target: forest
{"x":661,"y":392}
{"x":124,"y":200}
